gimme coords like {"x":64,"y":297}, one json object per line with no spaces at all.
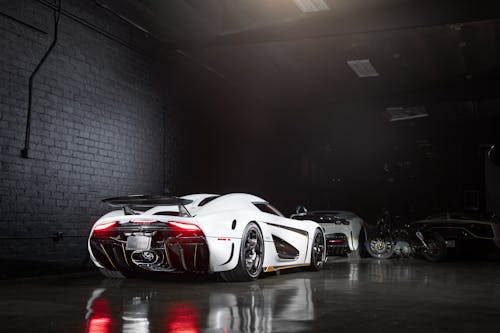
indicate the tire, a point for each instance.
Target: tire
{"x":111,"y":274}
{"x":361,"y":251}
{"x":380,"y":247}
{"x":318,"y":249}
{"x":251,"y":256}
{"x":436,"y":247}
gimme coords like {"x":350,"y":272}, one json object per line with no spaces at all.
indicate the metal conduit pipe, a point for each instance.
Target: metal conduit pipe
{"x":57,"y":8}
{"x":57,"y":15}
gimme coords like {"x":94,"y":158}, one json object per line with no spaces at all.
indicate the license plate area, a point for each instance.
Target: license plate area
{"x":135,"y":243}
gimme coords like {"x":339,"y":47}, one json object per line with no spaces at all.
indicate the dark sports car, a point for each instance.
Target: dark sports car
{"x":462,"y":227}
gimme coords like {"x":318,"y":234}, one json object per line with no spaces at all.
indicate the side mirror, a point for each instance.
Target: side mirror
{"x":494,"y":154}
{"x":301,"y":210}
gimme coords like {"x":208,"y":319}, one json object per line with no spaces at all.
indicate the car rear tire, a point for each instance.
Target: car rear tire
{"x":363,"y":253}
{"x":318,"y":249}
{"x":251,"y":256}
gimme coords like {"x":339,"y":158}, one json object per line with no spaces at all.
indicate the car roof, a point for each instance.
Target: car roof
{"x":460,"y":216}
{"x":232,"y":201}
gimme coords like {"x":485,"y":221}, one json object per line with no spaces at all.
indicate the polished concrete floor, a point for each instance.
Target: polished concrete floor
{"x":361,"y":296}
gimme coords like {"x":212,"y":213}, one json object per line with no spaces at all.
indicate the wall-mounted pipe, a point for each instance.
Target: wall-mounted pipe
{"x":57,"y":15}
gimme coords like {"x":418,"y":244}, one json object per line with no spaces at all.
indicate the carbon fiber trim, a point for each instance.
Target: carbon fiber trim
{"x":299,"y":231}
{"x":230,"y":256}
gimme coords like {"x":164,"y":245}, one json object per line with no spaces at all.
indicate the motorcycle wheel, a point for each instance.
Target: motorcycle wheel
{"x":436,"y":247}
{"x":380,"y":247}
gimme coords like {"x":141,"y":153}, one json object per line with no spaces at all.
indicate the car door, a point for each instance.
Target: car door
{"x":290,"y":241}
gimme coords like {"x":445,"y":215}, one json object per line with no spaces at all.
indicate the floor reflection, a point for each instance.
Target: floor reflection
{"x":98,"y":313}
{"x":182,"y":317}
{"x":349,"y":275}
{"x":126,"y":307}
{"x":285,"y":307}
{"x":130,"y":314}
{"x":347,"y":295}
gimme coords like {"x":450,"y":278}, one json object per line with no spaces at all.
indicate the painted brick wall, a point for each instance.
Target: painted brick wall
{"x":97,"y":128}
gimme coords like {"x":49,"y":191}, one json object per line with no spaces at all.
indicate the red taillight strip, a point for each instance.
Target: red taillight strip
{"x":184,"y":226}
{"x":105,"y":226}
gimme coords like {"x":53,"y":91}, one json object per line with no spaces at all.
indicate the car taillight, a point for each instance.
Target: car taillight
{"x":184,"y":226}
{"x":105,"y":226}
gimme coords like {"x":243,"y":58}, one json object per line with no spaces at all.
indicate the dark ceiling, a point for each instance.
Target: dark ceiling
{"x":270,"y":82}
{"x":425,"y":51}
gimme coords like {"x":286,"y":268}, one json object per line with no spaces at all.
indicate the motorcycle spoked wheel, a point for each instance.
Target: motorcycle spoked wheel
{"x":436,"y":247}
{"x":380,"y":247}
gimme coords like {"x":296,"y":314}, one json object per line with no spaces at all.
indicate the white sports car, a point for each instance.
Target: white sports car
{"x":345,"y":231}
{"x":238,"y":235}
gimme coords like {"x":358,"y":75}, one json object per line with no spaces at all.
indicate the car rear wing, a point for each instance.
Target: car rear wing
{"x":129,"y":201}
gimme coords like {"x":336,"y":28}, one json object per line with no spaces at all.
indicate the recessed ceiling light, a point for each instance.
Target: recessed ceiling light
{"x":362,"y":68}
{"x":396,"y":113}
{"x":309,"y":6}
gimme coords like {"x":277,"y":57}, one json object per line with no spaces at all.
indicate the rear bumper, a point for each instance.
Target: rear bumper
{"x":337,"y":244}
{"x":168,"y":253}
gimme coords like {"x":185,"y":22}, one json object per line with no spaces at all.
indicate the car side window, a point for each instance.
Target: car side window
{"x":207,"y":200}
{"x":267,"y":208}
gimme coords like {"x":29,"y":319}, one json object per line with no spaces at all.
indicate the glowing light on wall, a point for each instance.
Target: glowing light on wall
{"x":310,"y":6}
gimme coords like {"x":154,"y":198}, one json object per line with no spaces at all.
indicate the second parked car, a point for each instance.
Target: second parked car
{"x":344,"y":231}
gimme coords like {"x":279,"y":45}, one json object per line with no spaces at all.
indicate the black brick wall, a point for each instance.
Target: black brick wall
{"x":98,"y":127}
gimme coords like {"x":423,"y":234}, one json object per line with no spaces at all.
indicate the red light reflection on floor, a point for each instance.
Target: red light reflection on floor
{"x":100,"y":320}
{"x":182,"y":318}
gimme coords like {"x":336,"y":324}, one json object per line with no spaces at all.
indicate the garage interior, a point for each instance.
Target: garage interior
{"x":368,"y":106}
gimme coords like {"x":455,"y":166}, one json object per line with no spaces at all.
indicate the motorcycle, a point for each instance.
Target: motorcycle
{"x":404,"y":240}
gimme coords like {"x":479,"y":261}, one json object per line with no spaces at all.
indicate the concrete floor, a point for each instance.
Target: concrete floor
{"x":366,"y":295}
